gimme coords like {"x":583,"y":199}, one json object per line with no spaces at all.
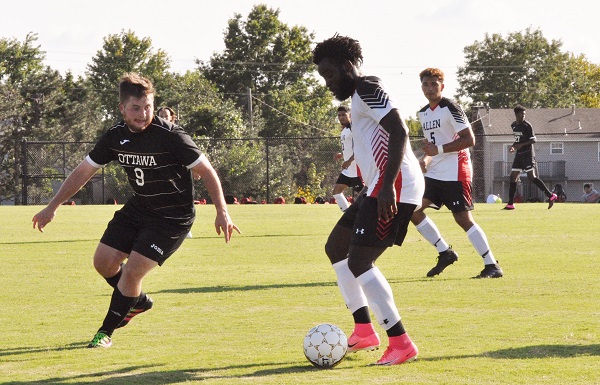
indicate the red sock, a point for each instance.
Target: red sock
{"x":400,"y":341}
{"x":364,"y":330}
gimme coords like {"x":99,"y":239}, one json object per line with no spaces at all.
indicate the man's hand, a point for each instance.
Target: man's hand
{"x":42,"y":218}
{"x":224,"y":223}
{"x":429,"y":148}
{"x":386,"y":204}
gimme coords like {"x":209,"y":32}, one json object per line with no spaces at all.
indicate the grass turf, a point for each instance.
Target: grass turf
{"x":237,"y":313}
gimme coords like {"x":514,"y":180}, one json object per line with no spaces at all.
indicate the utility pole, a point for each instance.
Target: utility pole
{"x":249,"y":95}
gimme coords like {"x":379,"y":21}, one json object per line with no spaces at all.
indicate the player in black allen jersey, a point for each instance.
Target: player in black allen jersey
{"x":160,"y":160}
{"x":524,"y":159}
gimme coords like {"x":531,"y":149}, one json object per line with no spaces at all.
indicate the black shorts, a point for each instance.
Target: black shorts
{"x":356,"y":183}
{"x":524,"y":162}
{"x":455,"y":195}
{"x":367,"y":231}
{"x":131,"y":230}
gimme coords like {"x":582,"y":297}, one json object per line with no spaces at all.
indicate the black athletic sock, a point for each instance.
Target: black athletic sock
{"x":117,"y":311}
{"x":396,"y":330}
{"x":362,"y":316}
{"x":114,"y":280}
{"x":512,"y":189}
{"x":538,"y":182}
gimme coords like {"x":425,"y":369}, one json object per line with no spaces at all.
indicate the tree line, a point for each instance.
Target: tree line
{"x":263,"y":84}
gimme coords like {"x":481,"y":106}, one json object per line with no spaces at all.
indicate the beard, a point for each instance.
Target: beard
{"x":137,"y":126}
{"x":345,"y":87}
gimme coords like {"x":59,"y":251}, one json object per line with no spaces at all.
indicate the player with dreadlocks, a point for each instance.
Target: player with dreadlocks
{"x":378,"y":218}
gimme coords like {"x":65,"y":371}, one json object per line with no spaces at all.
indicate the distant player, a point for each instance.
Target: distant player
{"x":524,"y":159}
{"x":349,"y":176}
{"x":160,"y":160}
{"x":448,"y":175}
{"x":379,"y":218}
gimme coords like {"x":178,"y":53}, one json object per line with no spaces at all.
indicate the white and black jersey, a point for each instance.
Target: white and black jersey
{"x":441,"y":125}
{"x":347,"y":152}
{"x":157,"y":162}
{"x":370,"y":104}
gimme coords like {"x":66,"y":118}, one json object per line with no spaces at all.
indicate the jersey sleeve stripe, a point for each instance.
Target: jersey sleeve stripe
{"x":91,"y":162}
{"x":200,"y":159}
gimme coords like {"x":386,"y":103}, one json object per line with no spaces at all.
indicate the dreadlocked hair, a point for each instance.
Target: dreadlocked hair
{"x":338,"y":49}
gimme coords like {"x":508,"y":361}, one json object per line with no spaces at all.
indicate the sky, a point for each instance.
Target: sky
{"x":398,"y":38}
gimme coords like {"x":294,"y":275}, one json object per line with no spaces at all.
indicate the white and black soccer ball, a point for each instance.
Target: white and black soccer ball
{"x":325,"y":345}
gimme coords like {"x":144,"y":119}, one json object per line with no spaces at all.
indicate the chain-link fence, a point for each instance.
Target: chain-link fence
{"x":264,"y":169}
{"x":260,"y":170}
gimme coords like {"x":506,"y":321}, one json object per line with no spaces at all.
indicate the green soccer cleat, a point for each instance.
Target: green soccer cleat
{"x":101,"y":340}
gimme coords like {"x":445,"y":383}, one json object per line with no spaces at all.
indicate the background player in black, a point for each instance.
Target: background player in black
{"x":524,"y":158}
{"x":160,"y":160}
{"x":168,"y":114}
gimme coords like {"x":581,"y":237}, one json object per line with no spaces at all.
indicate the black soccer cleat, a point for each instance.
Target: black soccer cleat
{"x":138,"y":309}
{"x":445,"y":259}
{"x":492,"y":270}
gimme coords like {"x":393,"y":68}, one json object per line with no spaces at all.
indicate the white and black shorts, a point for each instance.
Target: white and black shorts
{"x":524,"y":162}
{"x":456,"y":195}
{"x":356,"y":183}
{"x":368,"y":231}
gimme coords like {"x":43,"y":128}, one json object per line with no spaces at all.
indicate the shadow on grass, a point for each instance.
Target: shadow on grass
{"x":71,"y":241}
{"x":222,"y":289}
{"x":131,"y":375}
{"x":229,"y":288}
{"x":25,"y":350}
{"x":535,"y":351}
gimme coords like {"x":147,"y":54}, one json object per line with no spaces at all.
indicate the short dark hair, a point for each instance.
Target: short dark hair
{"x":338,"y":49}
{"x":343,"y":108}
{"x":132,"y":84}
{"x":172,"y":111}
{"x":432,"y":72}
{"x":519,"y":108}
{"x":587,"y":185}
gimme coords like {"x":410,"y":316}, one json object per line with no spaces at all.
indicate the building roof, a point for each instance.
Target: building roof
{"x":581,"y":123}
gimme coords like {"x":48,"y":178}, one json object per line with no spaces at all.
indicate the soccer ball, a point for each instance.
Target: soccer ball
{"x":325,"y":345}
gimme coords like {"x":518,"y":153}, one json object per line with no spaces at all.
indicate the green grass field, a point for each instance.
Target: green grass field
{"x":237,"y":313}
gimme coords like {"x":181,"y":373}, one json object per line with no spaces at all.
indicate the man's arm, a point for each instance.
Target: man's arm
{"x":465,"y":139}
{"x":211,"y":180}
{"x":386,"y":199}
{"x":74,"y":182}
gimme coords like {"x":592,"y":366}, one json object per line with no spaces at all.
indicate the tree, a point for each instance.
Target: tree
{"x":200,"y":108}
{"x":585,"y":80}
{"x":274,"y":61}
{"x":18,"y":60}
{"x":522,"y":68}
{"x":122,"y":53}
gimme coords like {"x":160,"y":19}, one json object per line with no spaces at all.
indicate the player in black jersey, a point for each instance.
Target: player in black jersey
{"x":524,"y":158}
{"x":160,"y":160}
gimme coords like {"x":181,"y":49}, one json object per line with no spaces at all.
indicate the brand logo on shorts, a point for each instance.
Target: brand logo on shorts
{"x":360,"y":231}
{"x":157,"y":249}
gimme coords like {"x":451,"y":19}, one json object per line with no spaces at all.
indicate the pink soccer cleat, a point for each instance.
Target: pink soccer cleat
{"x":356,"y":343}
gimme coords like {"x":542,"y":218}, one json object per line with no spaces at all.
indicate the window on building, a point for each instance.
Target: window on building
{"x":557,"y":148}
